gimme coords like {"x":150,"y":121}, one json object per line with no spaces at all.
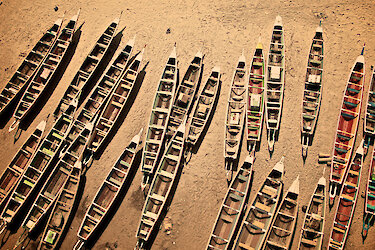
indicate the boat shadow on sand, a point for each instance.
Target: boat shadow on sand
{"x":125,"y":111}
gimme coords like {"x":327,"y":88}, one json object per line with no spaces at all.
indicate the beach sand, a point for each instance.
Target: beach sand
{"x":222,"y":29}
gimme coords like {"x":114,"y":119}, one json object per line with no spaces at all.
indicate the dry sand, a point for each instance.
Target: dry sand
{"x":222,"y":29}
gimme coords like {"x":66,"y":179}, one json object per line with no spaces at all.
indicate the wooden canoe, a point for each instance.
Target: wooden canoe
{"x":110,"y":189}
{"x":370,"y":197}
{"x":88,"y":68}
{"x":62,"y":210}
{"x":39,"y":165}
{"x":369,"y":124}
{"x":66,"y":171}
{"x":347,"y":126}
{"x":17,"y":166}
{"x":161,"y":186}
{"x":45,"y":73}
{"x":347,"y":201}
{"x":258,"y":218}
{"x":313,"y":225}
{"x":21,"y":78}
{"x":203,"y":107}
{"x":99,"y":95}
{"x":275,"y":82}
{"x":232,"y":208}
{"x":160,"y":112}
{"x":255,"y":98}
{"x":281,"y":232}
{"x":234,"y":125}
{"x":185,"y":94}
{"x":312,"y":93}
{"x":117,"y":101}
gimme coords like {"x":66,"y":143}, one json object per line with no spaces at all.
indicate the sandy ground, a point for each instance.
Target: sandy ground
{"x":222,"y":29}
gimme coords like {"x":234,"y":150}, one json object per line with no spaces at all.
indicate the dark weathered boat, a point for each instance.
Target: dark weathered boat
{"x":161,"y":186}
{"x":275,"y":82}
{"x":255,"y":98}
{"x":160,"y":112}
{"x":258,"y":219}
{"x":347,"y":126}
{"x":236,"y":109}
{"x":232,"y":208}
{"x":104,"y":198}
{"x":369,"y":124}
{"x":370,"y":197}
{"x":347,"y":201}
{"x":45,"y":73}
{"x":65,"y":175}
{"x":312,"y":93}
{"x":99,"y":95}
{"x":88,"y":68}
{"x":313,"y":225}
{"x":203,"y":107}
{"x":40,"y":163}
{"x":281,"y":232}
{"x":185,"y":94}
{"x":117,"y":100}
{"x":21,"y":78}
{"x":17,"y":166}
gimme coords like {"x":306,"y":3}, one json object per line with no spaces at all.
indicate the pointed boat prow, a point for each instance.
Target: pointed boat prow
{"x":280,"y":165}
{"x":322,"y":181}
{"x":42,"y":125}
{"x":260,"y":44}
{"x":137,"y":137}
{"x":360,"y":149}
{"x":173,"y":52}
{"x":216,"y":69}
{"x":242,"y":57}
{"x":294,"y":188}
{"x":199,"y":54}
{"x":75,"y":17}
{"x":250,"y":159}
{"x":278,"y":21}
{"x":59,"y":21}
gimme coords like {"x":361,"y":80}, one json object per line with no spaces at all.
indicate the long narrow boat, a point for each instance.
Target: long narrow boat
{"x":347,"y":126}
{"x":204,"y":107}
{"x":21,"y":78}
{"x":347,"y":201}
{"x":161,"y":109}
{"x":370,"y":197}
{"x":88,"y":68}
{"x":38,"y":166}
{"x":281,"y":232}
{"x":255,"y":98}
{"x":369,"y":125}
{"x":236,"y":109}
{"x":104,"y":199}
{"x":313,"y":224}
{"x":45,"y":73}
{"x":275,"y":82}
{"x":232,"y":208}
{"x":99,"y":95}
{"x":117,"y":101}
{"x":17,"y":166}
{"x":66,"y":171}
{"x":312,"y":93}
{"x":161,"y":186}
{"x":258,"y":219}
{"x":185,"y":94}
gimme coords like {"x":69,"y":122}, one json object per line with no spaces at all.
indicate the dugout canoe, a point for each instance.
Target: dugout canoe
{"x":107,"y":194}
{"x":312,"y":93}
{"x":255,"y":98}
{"x":88,"y":68}
{"x":347,"y":202}
{"x":21,"y":78}
{"x":347,"y":126}
{"x":313,"y":225}
{"x":160,"y":112}
{"x":43,"y":76}
{"x":258,"y":218}
{"x":232,"y":208}
{"x":275,"y":82}
{"x":370,"y":197}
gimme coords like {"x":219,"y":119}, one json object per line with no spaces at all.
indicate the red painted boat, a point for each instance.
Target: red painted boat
{"x":347,"y":126}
